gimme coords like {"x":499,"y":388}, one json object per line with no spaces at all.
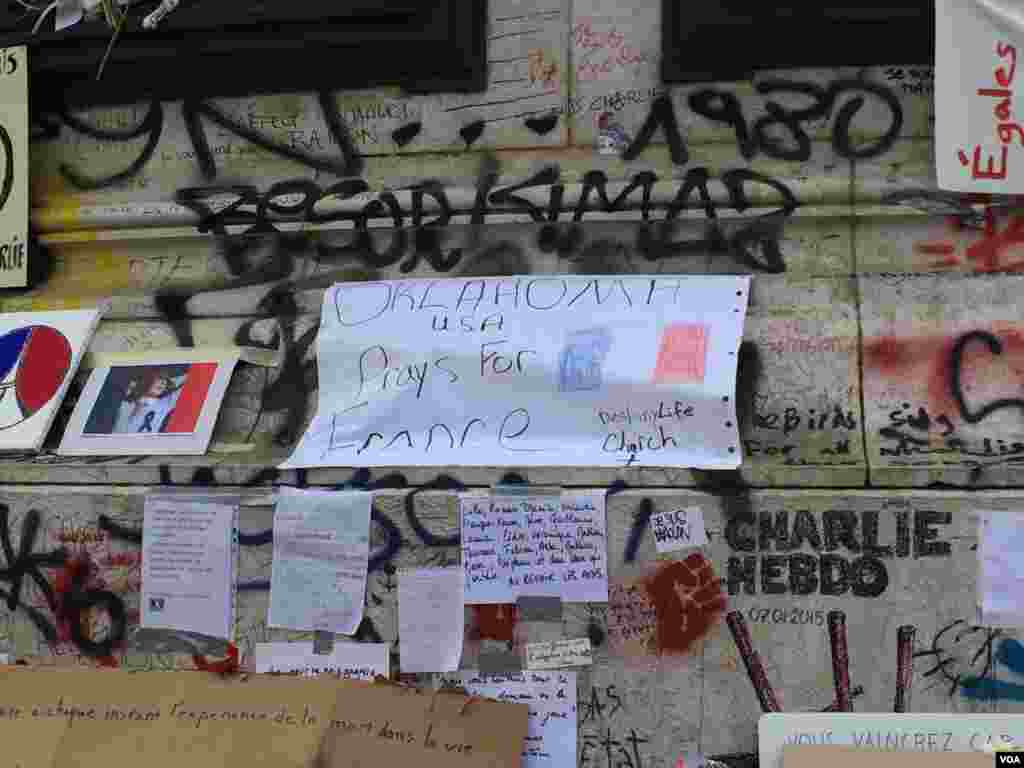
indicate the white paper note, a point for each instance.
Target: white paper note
{"x":552,"y":546}
{"x":528,"y":371}
{"x":188,"y":559}
{"x":1001,"y":572}
{"x":678,"y":529}
{"x":551,"y":696}
{"x":559,"y":653}
{"x":979,"y":141}
{"x":431,"y":616}
{"x":321,"y":551}
{"x":353,"y":661}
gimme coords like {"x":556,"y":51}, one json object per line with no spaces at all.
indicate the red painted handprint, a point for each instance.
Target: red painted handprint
{"x":687,"y":598}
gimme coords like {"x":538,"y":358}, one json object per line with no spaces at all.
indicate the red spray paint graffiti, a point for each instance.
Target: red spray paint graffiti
{"x":687,"y":599}
{"x":990,"y":249}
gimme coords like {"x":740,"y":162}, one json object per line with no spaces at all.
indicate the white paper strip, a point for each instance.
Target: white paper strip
{"x":354,"y":661}
{"x":559,"y":653}
{"x":540,"y":371}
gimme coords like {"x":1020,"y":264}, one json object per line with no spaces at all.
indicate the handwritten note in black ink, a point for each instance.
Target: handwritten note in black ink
{"x":534,"y":545}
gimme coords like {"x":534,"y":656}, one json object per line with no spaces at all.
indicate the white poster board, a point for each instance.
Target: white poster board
{"x":528,"y":371}
{"x":14,"y":173}
{"x":945,"y":732}
{"x":979,"y":136}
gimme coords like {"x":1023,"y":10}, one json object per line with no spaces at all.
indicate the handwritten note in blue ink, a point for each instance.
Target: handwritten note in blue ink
{"x":321,"y":552}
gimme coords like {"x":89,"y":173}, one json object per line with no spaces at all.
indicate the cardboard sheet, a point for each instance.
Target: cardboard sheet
{"x":381,"y":724}
{"x":99,"y":719}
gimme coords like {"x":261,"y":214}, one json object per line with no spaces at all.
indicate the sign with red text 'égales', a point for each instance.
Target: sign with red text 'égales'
{"x":979,"y":139}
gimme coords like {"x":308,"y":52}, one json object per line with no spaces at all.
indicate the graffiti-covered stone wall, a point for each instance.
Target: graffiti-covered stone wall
{"x":879,"y":382}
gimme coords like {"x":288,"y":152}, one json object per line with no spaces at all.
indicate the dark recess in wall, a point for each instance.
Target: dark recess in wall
{"x":229,"y":48}
{"x":724,"y":40}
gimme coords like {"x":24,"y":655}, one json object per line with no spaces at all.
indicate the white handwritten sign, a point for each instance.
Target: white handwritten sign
{"x":534,"y":545}
{"x":14,"y":178}
{"x":979,"y":141}
{"x":678,"y":529}
{"x":559,"y":653}
{"x":528,"y":371}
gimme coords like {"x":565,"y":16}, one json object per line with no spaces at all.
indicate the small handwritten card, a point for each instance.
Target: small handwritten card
{"x":534,"y":545}
{"x":559,"y":653}
{"x":351,"y":661}
{"x":979,"y":142}
{"x":678,"y":529}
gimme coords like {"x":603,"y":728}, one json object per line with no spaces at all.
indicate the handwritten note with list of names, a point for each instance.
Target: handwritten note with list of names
{"x":534,"y":545}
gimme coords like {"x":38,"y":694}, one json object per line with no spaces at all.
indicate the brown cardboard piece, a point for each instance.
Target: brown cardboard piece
{"x":96,"y":719}
{"x":383,"y":724}
{"x":841,"y":756}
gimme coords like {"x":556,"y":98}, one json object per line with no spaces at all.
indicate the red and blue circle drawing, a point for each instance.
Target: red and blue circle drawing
{"x":33,"y":363}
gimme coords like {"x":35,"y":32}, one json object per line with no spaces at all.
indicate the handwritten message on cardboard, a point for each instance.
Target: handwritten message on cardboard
{"x":90,"y":719}
{"x":528,"y":371}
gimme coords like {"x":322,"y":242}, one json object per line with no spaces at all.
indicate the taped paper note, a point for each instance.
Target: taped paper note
{"x":551,"y":732}
{"x":678,"y":529}
{"x":14,"y":192}
{"x":542,"y":371}
{"x":979,"y":141}
{"x":1001,"y":569}
{"x":559,"y":653}
{"x":350,"y":661}
{"x":321,"y":553}
{"x":431,"y":617}
{"x":188,"y":557}
{"x":552,"y":546}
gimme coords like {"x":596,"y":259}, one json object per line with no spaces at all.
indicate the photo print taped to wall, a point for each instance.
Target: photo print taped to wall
{"x":158,"y":404}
